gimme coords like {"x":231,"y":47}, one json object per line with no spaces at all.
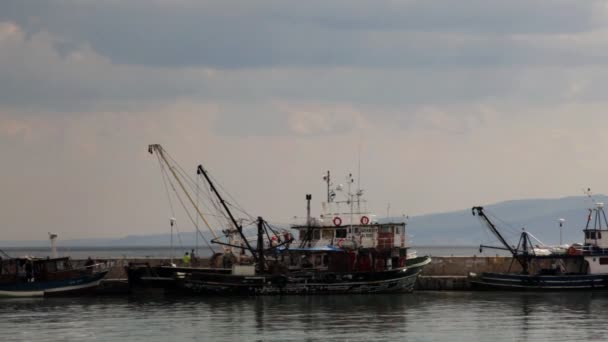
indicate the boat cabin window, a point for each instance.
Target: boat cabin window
{"x":328,"y":234}
{"x":603,"y":261}
{"x":318,"y":260}
{"x":593,"y":235}
{"x":397,"y":230}
{"x":51,"y":266}
{"x":316,"y":235}
{"x":340,"y":233}
{"x":293,"y":260}
{"x":385,"y":229}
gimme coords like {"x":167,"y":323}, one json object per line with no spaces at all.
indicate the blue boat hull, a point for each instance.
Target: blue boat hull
{"x":63,"y":287}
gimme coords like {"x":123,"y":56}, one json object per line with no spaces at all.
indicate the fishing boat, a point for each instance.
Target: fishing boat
{"x":538,"y":267}
{"x":338,"y":252}
{"x":45,"y":277}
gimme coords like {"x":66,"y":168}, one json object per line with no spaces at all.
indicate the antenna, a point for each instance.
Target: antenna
{"x":327,"y":179}
{"x":359,"y":168}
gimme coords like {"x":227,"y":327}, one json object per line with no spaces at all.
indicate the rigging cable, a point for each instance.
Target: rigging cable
{"x":185,"y":178}
{"x":189,"y":216}
{"x":4,"y":253}
{"x":163,"y":176}
{"x":236,"y":204}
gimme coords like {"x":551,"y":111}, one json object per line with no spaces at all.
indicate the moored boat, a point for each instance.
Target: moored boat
{"x":38,"y":277}
{"x":341,"y":252}
{"x":577,"y":267}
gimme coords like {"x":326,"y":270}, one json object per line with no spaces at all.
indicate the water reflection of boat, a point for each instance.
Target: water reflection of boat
{"x":341,"y":256}
{"x":574,"y":267}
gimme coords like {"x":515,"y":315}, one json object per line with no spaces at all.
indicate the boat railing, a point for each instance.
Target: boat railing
{"x":96,"y":267}
{"x":595,"y":250}
{"x":587,"y":250}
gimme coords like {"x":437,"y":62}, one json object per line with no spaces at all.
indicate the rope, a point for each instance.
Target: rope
{"x":163,"y":176}
{"x":168,"y":179}
{"x":189,"y":216}
{"x":232,"y":199}
{"x":4,"y":253}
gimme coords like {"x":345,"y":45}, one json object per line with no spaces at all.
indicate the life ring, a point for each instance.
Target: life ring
{"x":364,"y":220}
{"x":571,"y":250}
{"x":340,"y":243}
{"x":337,"y":221}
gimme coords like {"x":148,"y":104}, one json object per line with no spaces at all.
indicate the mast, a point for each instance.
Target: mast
{"x":327,"y":179}
{"x":308,"y":198}
{"x":260,"y":247}
{"x":239,"y":228}
{"x":350,"y":200}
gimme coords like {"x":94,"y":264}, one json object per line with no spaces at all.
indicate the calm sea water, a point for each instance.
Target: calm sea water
{"x":165,"y":252}
{"x":421,"y":316}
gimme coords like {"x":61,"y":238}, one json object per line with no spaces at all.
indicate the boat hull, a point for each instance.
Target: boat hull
{"x":398,"y":280}
{"x":521,"y":282}
{"x":66,"y":287}
{"x":192,"y":281}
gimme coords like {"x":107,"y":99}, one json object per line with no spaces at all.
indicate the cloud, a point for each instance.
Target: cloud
{"x":374,"y":58}
{"x":268,"y":34}
{"x":451,"y":104}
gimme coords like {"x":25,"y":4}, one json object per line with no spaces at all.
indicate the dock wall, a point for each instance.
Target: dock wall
{"x":462,"y":266}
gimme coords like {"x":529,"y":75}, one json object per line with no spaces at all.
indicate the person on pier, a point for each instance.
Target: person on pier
{"x":186,"y":260}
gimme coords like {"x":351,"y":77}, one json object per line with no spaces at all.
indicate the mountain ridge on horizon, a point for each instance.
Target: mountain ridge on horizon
{"x":452,"y":228}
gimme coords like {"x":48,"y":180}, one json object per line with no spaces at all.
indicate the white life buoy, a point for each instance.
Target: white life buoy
{"x":340,"y":243}
{"x":337,"y":221}
{"x":364,"y":220}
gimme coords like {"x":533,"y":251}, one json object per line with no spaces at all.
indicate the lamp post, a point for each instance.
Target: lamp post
{"x":561,"y":224}
{"x":172,"y":223}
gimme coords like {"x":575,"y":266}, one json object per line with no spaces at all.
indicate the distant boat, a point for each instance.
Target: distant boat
{"x":347,"y":252}
{"x":574,"y":267}
{"x":37,"y":277}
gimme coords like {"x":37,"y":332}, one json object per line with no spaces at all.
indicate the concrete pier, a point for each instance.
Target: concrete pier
{"x":452,"y":273}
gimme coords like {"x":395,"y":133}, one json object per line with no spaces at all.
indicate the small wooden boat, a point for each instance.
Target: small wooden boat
{"x":38,"y":277}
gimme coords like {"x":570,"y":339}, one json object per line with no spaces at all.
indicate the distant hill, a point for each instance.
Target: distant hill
{"x":540,"y":217}
{"x":458,"y":228}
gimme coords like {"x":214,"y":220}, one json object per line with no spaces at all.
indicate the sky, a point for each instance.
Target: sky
{"x":445,"y":105}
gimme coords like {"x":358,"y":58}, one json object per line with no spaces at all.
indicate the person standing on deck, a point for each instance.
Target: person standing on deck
{"x":193,"y":258}
{"x":186,"y":260}
{"x":29,"y":271}
{"x":89,"y":265}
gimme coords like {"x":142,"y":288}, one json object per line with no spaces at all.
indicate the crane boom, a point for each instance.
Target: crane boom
{"x":239,"y":228}
{"x":478,"y":211}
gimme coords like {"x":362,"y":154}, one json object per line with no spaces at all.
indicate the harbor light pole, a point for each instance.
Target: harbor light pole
{"x":172,"y":222}
{"x":561,"y":224}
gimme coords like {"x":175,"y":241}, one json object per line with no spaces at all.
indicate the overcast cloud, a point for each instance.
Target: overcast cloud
{"x":453,"y":103}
